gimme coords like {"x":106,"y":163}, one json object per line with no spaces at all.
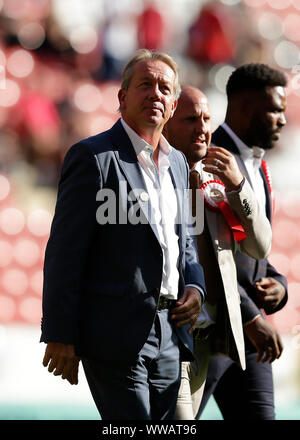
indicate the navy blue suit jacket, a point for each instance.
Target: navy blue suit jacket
{"x":250,"y":270}
{"x":102,"y":281}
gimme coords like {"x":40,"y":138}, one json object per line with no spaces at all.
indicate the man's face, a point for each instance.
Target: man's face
{"x":149,"y":101}
{"x":189,"y":130}
{"x":268,"y":118}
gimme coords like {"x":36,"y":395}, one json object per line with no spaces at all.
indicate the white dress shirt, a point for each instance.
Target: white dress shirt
{"x":164,"y":205}
{"x":252,"y":158}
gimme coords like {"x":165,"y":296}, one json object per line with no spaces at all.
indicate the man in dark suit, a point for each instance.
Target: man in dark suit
{"x":254,"y":118}
{"x":122,"y":284}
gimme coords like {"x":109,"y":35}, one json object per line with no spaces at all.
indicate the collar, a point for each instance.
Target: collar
{"x":204,"y":175}
{"x":198,"y":167}
{"x":245,"y":151}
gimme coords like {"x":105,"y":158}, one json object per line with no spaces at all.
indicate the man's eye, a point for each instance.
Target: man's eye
{"x":166,"y":89}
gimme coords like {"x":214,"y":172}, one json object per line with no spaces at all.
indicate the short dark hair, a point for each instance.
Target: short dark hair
{"x":254,"y":76}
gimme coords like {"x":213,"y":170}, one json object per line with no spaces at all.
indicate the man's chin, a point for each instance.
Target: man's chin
{"x":200,"y":150}
{"x":197,"y":156}
{"x":268,"y":145}
{"x":154,"y":119}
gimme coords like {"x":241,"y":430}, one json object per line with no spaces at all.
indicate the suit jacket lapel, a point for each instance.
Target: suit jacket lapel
{"x":127,"y":159}
{"x":268,"y":195}
{"x":177,"y":180}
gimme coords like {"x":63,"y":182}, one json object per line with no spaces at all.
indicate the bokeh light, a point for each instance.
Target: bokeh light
{"x":255,"y":3}
{"x":281,"y":262}
{"x":87,"y":98}
{"x":219,"y":76}
{"x":31,"y":309}
{"x":36,"y":282}
{"x":26,"y":252}
{"x":7,"y":309}
{"x":99,"y":123}
{"x":296,"y":4}
{"x":31,"y":35}
{"x":230,"y":2}
{"x":20,"y":63}
{"x":12,"y":221}
{"x":270,"y":25}
{"x":9,"y":95}
{"x":279,"y":4}
{"x":4,"y":187}
{"x":110,"y":97}
{"x":286,"y":54}
{"x":84,"y":39}
{"x":280,"y":229}
{"x":39,"y":222}
{"x":14,"y":9}
{"x":6,"y":253}
{"x":15,"y":282}
{"x":291,"y":24}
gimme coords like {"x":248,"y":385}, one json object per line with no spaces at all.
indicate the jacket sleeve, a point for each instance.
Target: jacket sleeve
{"x":245,"y":205}
{"x":249,"y":309}
{"x":71,"y":233}
{"x":272,"y":272}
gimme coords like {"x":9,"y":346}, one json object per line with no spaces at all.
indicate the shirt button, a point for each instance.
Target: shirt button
{"x":144,"y":197}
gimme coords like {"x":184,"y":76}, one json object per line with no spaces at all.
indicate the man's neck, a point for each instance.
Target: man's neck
{"x":150,"y":134}
{"x":236,"y":130}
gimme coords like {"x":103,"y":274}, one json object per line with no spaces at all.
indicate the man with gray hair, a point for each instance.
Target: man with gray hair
{"x":124,"y":296}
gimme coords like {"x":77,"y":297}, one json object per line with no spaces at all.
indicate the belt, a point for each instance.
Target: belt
{"x":164,"y":303}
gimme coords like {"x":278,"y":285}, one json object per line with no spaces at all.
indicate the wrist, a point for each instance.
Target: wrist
{"x":237,"y":187}
{"x":246,"y":324}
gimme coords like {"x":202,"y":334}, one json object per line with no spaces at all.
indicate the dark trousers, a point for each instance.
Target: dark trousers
{"x":240,"y":395}
{"x":146,"y":389}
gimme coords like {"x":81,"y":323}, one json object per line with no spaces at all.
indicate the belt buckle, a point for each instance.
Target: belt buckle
{"x":163,"y":303}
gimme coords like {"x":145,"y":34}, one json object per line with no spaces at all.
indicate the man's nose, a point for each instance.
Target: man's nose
{"x":201,"y":127}
{"x":155,"y":91}
{"x":282,"y":120}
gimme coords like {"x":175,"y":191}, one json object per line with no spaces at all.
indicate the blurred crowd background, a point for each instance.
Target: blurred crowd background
{"x":60,"y":68}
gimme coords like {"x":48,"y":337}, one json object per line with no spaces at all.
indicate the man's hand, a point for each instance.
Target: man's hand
{"x":222,"y":163}
{"x":187,"y":308}
{"x":265,"y":339}
{"x":63,"y":361}
{"x":269,"y":294}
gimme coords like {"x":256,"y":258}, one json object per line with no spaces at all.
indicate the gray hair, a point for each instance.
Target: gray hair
{"x":144,"y":55}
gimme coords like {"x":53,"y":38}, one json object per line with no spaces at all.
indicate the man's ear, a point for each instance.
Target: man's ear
{"x":121,"y":97}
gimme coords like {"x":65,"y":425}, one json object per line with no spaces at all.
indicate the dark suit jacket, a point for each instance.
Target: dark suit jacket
{"x":250,"y":270}
{"x":102,"y":282}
